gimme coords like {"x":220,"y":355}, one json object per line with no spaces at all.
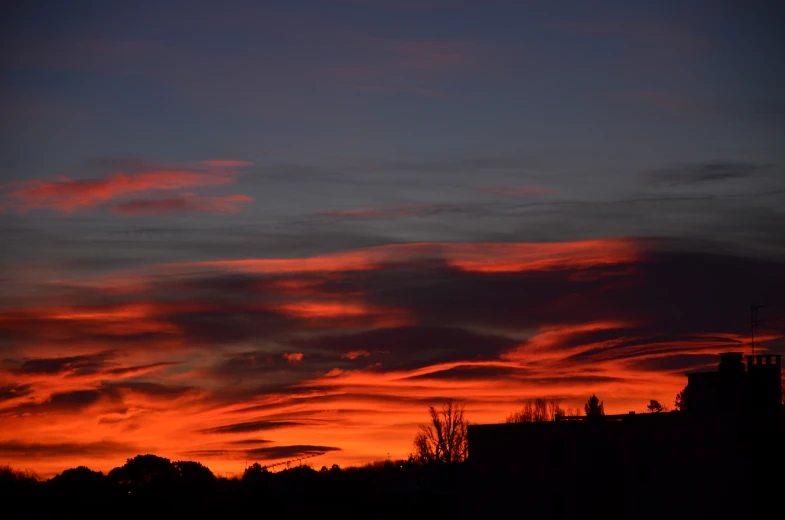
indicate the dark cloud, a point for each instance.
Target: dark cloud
{"x":290,"y":396}
{"x":33,"y":449}
{"x":210,"y":454}
{"x":413,"y":346}
{"x":128,"y":371}
{"x":230,"y":323}
{"x":675,"y":363}
{"x":642,"y":347}
{"x":13,"y":391}
{"x":704,"y":173}
{"x":82,"y":365}
{"x":575,"y":379}
{"x":74,"y":400}
{"x":109,"y":392}
{"x":286,"y":452}
{"x":265,"y":453}
{"x":150,"y":389}
{"x":250,"y":441}
{"x":470,"y":373}
{"x":650,"y":294}
{"x":73,"y":365}
{"x":253,"y":426}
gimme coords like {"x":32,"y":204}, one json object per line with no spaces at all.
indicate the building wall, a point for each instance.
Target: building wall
{"x":645,"y":466}
{"x":721,"y":459}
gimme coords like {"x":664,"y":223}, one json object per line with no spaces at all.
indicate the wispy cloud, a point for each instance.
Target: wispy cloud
{"x":486,"y":257}
{"x":226,"y":163}
{"x":676,"y":40}
{"x":380,"y":213}
{"x":38,"y":449}
{"x":187,"y":203}
{"x":255,"y":426}
{"x":701,"y":173}
{"x":516,"y":191}
{"x":67,"y":195}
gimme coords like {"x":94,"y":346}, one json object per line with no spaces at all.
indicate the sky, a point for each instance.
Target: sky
{"x":252,"y":231}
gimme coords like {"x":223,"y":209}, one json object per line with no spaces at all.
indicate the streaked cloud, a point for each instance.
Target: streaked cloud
{"x":188,"y":203}
{"x":68,"y":195}
{"x":490,"y":257}
{"x":516,"y":191}
{"x":255,"y":426}
{"x":377,"y":213}
{"x":700,"y":173}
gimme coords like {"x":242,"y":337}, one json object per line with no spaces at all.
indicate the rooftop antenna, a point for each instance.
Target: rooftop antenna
{"x":755,"y":321}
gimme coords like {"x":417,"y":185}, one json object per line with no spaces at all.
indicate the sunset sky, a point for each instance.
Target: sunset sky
{"x":248,"y":231}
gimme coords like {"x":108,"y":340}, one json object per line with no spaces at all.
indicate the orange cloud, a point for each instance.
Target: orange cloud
{"x":294,"y":357}
{"x":541,"y":256}
{"x":356,"y":354}
{"x":324,"y":309}
{"x":477,"y":256}
{"x":341,"y":314}
{"x":68,"y":195}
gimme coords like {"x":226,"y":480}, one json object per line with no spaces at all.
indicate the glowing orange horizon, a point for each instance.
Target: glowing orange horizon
{"x":143,"y":368}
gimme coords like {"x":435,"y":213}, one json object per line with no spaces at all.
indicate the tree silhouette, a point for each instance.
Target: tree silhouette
{"x":255,"y":473}
{"x":594,"y":407}
{"x":145,"y":471}
{"x":81,"y":485}
{"x":193,"y":472}
{"x":79,"y":476}
{"x":10,"y":475}
{"x":539,"y":410}
{"x":681,"y":399}
{"x":654,"y":406}
{"x":444,"y":439}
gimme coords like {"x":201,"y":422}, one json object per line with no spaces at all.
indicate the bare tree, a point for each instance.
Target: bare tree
{"x":444,"y":438}
{"x":655,"y":406}
{"x":537,"y":410}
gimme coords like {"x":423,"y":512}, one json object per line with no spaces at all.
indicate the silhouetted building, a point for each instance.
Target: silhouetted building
{"x":732,"y":389}
{"x":718,"y":460}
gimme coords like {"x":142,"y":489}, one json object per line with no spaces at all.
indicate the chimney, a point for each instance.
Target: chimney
{"x":731,"y":362}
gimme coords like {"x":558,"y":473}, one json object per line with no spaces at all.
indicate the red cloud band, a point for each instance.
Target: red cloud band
{"x":67,"y":195}
{"x":480,"y":257}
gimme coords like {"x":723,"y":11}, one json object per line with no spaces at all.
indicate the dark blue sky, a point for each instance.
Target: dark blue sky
{"x":606,"y":90}
{"x":355,"y":104}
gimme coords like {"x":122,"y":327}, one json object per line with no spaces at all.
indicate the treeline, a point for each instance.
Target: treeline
{"x":430,"y":482}
{"x":152,"y":486}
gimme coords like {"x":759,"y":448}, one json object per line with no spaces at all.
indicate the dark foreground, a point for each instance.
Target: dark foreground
{"x":390,"y":490}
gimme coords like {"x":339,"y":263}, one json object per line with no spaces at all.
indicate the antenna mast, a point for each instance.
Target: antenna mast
{"x":755,"y":321}
{"x":753,"y":324}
